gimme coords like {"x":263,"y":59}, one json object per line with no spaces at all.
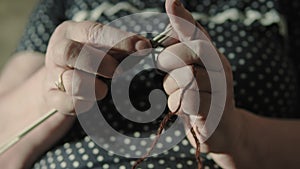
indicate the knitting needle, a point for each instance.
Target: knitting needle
{"x":23,"y":133}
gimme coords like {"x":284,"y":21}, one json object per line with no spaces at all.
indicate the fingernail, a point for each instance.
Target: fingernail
{"x":143,"y":47}
{"x":142,"y":44}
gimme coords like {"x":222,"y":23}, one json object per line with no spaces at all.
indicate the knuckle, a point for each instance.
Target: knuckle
{"x":61,"y":28}
{"x":75,"y":83}
{"x":94,"y":31}
{"x":67,"y":80}
{"x":71,"y":52}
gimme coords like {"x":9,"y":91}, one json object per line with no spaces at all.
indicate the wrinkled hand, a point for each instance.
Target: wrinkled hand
{"x":74,"y":52}
{"x":195,"y":55}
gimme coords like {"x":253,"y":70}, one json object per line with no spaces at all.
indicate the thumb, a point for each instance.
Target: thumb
{"x":183,"y":22}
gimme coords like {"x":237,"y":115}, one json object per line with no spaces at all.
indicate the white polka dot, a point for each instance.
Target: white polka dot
{"x":66,"y":145}
{"x":59,"y":158}
{"x":95,"y":151}
{"x":69,"y":151}
{"x":112,"y":138}
{"x":176,"y":148}
{"x":159,"y":145}
{"x":132,"y":147}
{"x":105,"y":166}
{"x":52,"y":166}
{"x":177,"y":133}
{"x":71,"y":157}
{"x":116,"y":160}
{"x":81,"y":151}
{"x":179,"y":165}
{"x":87,"y":139}
{"x":150,"y":165}
{"x":231,"y":55}
{"x":50,"y":159}
{"x":75,"y":164}
{"x":122,"y":150}
{"x":91,"y":144}
{"x":49,"y":154}
{"x":44,"y":167}
{"x":85,"y":157}
{"x":152,"y":136}
{"x":189,"y":162}
{"x":241,"y":61}
{"x":110,"y":153}
{"x":105,"y":146}
{"x":182,"y":155}
{"x":122,"y":167}
{"x":57,"y":152}
{"x":229,"y":44}
{"x":161,"y":162}
{"x":172,"y":158}
{"x":143,"y":143}
{"x":63,"y":164}
{"x":132,"y":162}
{"x":78,"y":145}
{"x":127,"y":141}
{"x":136,"y":134}
{"x":100,"y":158}
{"x":128,"y":155}
{"x":243,"y":76}
{"x":137,"y":28}
{"x":138,"y":153}
{"x":89,"y":164}
{"x":169,"y":139}
{"x":185,"y":142}
{"x":192,"y":151}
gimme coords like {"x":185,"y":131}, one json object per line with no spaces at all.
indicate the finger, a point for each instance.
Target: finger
{"x":197,"y":52}
{"x":66,"y":104}
{"x":101,"y":35}
{"x":183,"y":22}
{"x":203,"y":147}
{"x":172,"y":37}
{"x":60,"y":101}
{"x":69,"y":53}
{"x":83,"y":86}
{"x":181,"y":77}
{"x":192,"y":102}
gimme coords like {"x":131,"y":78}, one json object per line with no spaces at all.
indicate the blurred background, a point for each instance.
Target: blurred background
{"x":13,"y":18}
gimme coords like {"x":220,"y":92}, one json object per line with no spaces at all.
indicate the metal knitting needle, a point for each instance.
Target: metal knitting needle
{"x":160,"y":38}
{"x":23,"y":133}
{"x":156,"y":42}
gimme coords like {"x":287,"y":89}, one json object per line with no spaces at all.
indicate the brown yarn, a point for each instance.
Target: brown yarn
{"x":162,"y":126}
{"x":198,"y":151}
{"x":158,"y":134}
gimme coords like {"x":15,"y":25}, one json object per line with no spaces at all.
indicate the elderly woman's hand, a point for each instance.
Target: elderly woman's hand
{"x":195,"y":55}
{"x":74,"y":54}
{"x":72,"y":60}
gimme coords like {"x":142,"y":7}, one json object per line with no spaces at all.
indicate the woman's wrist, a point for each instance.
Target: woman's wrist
{"x":247,"y":147}
{"x":19,"y":109}
{"x":235,"y":139}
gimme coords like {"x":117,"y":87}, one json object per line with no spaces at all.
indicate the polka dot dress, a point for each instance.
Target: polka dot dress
{"x":251,"y":34}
